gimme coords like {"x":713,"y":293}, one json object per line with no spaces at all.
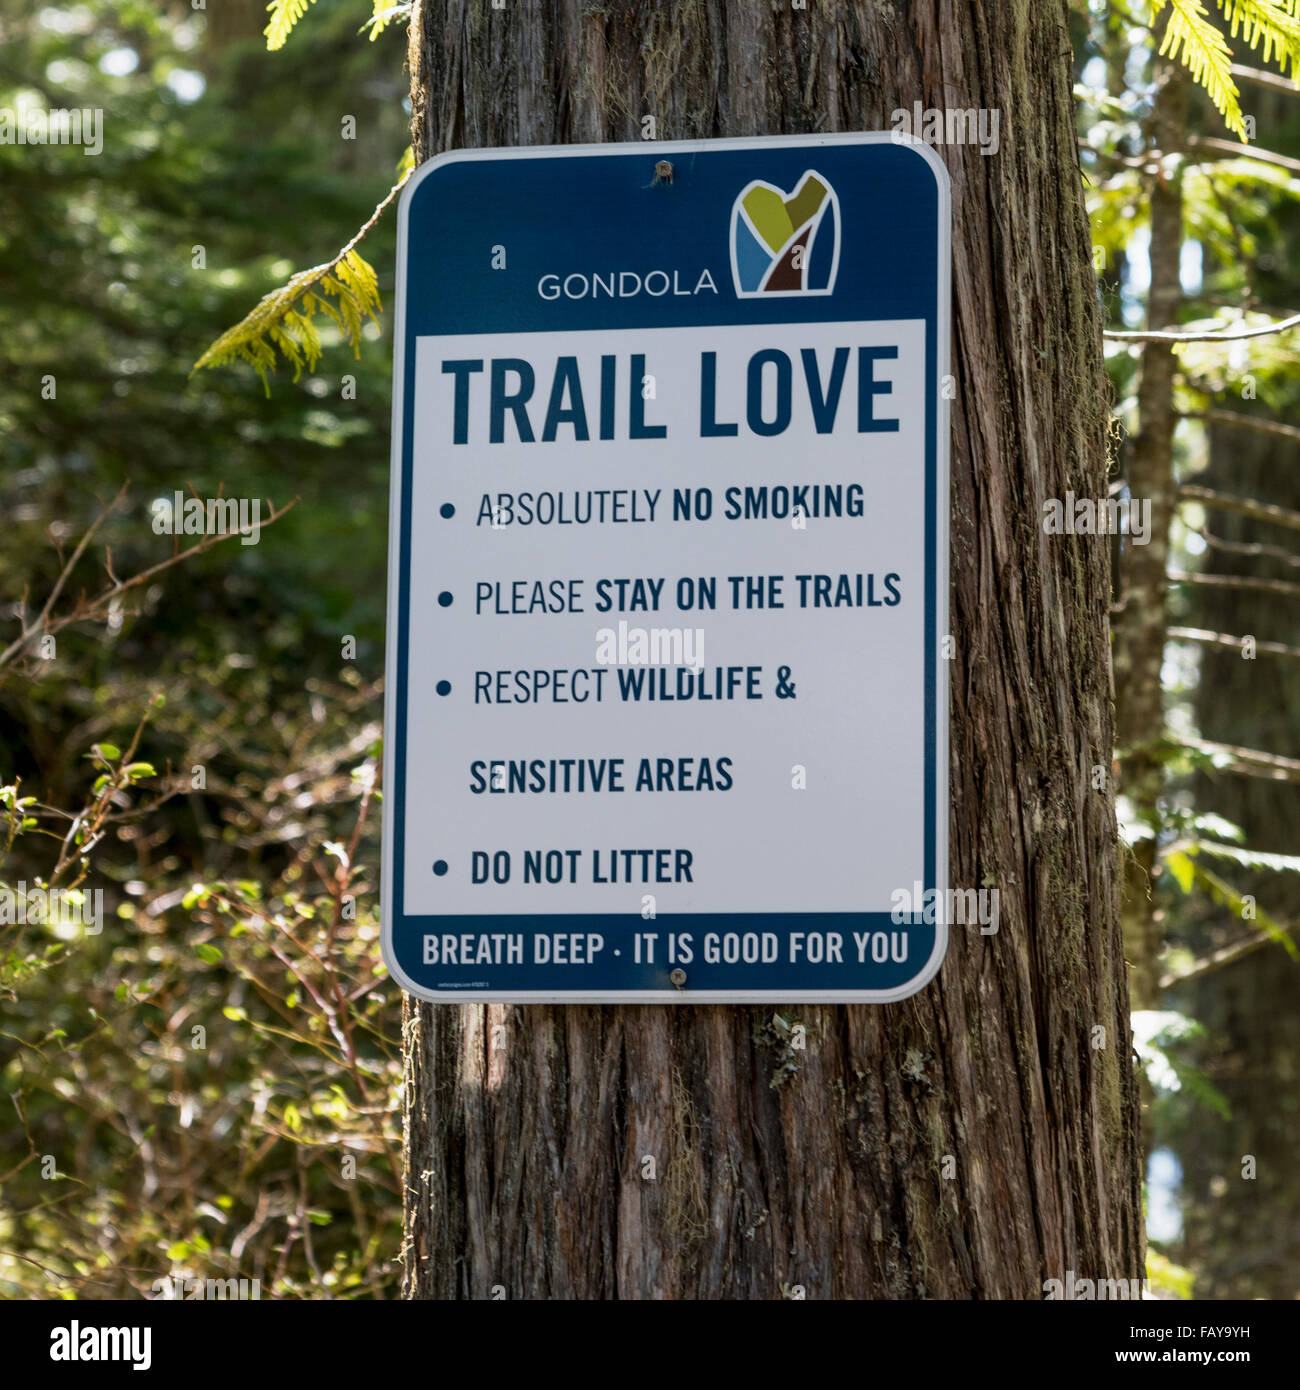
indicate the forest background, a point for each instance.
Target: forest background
{"x":208,"y":1087}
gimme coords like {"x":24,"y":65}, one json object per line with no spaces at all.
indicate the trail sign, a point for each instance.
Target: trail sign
{"x":666,"y":708}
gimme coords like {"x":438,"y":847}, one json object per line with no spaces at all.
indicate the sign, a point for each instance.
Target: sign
{"x":666,"y":706}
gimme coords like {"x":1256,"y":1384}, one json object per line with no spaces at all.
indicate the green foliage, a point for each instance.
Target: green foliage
{"x":216,"y":1070}
{"x":384,"y":15}
{"x":1166,"y":1279}
{"x":284,"y":15}
{"x":1160,"y":1039}
{"x":345,"y":289}
{"x":1223,"y":893}
{"x":1271,"y":27}
{"x":171,"y":1157}
{"x":1192,"y":39}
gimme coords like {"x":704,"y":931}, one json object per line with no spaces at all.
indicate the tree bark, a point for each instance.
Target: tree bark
{"x":980,"y":1137}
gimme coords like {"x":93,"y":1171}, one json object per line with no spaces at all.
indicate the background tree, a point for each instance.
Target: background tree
{"x":1206,"y":635}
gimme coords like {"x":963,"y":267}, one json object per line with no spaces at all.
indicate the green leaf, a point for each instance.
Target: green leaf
{"x":1212,"y":824}
{"x":207,"y":952}
{"x":1192,"y":39}
{"x":282,"y":325}
{"x":384,"y":15}
{"x":1251,"y":858}
{"x":1183,"y":869}
{"x":1268,"y":23}
{"x":1226,"y":895}
{"x":284,"y":15}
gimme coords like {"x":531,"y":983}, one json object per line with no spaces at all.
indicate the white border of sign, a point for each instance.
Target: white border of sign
{"x":659,"y":150}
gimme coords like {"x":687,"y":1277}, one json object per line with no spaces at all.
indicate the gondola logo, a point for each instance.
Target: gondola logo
{"x":785,"y":243}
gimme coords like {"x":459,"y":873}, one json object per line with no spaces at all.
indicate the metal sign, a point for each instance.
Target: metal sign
{"x":666,"y":706}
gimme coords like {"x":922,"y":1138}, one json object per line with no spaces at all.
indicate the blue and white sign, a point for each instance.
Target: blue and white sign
{"x":666,"y":702}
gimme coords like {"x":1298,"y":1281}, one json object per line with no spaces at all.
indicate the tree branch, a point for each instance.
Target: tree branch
{"x":1217,"y":959}
{"x":1223,"y":639}
{"x":85,"y":611}
{"x":1233,"y":581}
{"x":1227,"y":147}
{"x":1274,"y":552}
{"x":1250,"y":762}
{"x":1223,"y":335}
{"x":1238,"y":420}
{"x":1265,"y":79}
{"x":1245,"y":506}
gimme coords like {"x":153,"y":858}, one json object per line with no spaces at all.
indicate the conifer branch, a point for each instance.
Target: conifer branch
{"x":345,"y":289}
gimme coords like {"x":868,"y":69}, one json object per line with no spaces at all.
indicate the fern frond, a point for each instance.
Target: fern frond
{"x":1273,"y":23}
{"x":384,"y":15}
{"x":1192,"y":39}
{"x":285,"y":319}
{"x":284,"y":15}
{"x":345,"y":290}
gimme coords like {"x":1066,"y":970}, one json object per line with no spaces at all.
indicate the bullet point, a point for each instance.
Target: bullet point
{"x":444,"y":599}
{"x":444,"y":687}
{"x":440,"y":867}
{"x":447,"y":510}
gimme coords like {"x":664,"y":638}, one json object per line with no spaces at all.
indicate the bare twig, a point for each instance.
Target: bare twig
{"x":1223,"y":639}
{"x":1225,"y":335}
{"x":1245,"y":506}
{"x":1236,"y":151}
{"x":1233,"y":581}
{"x":1264,"y":78}
{"x":1225,"y":956}
{"x":1274,"y":552}
{"x":1252,"y":762}
{"x":1238,"y":420}
{"x":45,"y":623}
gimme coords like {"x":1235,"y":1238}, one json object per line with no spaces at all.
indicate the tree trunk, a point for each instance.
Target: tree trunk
{"x":1242,"y":1233}
{"x":1140,"y":630}
{"x":980,"y":1137}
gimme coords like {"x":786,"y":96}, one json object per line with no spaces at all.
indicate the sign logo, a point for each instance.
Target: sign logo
{"x":785,"y":243}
